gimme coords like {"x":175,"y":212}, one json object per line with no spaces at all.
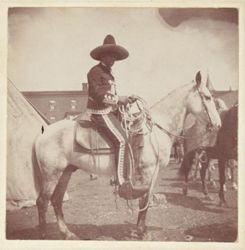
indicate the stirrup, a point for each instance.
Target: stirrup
{"x":130,"y":192}
{"x":126,"y":190}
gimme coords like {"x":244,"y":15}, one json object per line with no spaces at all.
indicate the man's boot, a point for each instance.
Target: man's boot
{"x":129,"y":192}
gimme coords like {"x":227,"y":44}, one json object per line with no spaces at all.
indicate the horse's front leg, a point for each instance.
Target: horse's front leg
{"x":141,"y":226}
{"x":187,"y":166}
{"x":222,"y":180}
{"x":204,"y":167}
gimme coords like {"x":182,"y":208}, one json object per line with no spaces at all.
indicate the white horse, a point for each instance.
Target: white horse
{"x":57,"y":160}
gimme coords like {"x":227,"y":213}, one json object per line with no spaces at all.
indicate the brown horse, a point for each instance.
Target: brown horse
{"x":57,"y":160}
{"x":225,"y":150}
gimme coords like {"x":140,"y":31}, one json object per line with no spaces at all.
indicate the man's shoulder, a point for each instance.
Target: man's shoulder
{"x":95,"y":70}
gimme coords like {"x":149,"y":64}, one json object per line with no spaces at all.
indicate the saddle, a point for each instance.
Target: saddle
{"x":88,"y":139}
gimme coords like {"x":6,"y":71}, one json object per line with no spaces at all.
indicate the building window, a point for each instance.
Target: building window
{"x":73,"y":105}
{"x":52,"y":105}
{"x":52,"y":119}
{"x":71,"y":117}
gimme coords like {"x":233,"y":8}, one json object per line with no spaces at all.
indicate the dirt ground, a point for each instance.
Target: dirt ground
{"x":92,"y":214}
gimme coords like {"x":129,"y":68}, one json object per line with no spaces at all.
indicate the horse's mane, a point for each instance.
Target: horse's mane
{"x":230,"y":119}
{"x":177,"y":94}
{"x":168,"y":111}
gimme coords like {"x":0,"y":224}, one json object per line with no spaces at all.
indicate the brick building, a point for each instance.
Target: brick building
{"x":58,"y":105}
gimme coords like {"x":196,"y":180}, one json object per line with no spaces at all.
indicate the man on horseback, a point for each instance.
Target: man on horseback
{"x":103,"y":101}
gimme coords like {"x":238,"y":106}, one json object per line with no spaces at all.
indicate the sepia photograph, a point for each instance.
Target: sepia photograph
{"x":122,"y":124}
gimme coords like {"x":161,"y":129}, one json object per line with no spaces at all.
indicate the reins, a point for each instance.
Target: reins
{"x":153,"y":179}
{"x":205,"y":107}
{"x":179,"y":136}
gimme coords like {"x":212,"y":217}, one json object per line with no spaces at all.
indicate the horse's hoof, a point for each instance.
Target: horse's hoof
{"x":71,"y":236}
{"x":134,"y":233}
{"x":213,"y":184}
{"x":138,"y":233}
{"x":146,"y":236}
{"x":224,"y":188}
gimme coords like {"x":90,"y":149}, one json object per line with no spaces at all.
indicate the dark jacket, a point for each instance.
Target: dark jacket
{"x":99,"y":78}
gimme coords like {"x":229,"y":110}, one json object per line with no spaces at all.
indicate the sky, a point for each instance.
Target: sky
{"x":49,"y":49}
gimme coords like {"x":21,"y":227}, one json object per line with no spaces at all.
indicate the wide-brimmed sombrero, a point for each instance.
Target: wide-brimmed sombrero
{"x":109,"y":46}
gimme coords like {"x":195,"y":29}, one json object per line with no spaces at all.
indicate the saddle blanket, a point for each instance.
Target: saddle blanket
{"x":88,"y":139}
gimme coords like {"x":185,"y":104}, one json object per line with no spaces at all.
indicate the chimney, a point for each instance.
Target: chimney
{"x":85,"y":86}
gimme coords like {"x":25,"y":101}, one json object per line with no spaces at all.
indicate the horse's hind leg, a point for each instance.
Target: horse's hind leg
{"x":57,"y":199}
{"x":42,"y":204}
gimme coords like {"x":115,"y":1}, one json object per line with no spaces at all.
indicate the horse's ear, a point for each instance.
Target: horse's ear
{"x":198,"y":78}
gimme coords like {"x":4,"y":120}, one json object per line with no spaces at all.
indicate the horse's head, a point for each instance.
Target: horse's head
{"x":201,"y":104}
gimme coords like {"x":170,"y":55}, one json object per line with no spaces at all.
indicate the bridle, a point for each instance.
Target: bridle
{"x":208,"y":128}
{"x":209,"y":125}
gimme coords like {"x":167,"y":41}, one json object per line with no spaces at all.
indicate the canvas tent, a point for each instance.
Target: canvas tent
{"x":23,"y":125}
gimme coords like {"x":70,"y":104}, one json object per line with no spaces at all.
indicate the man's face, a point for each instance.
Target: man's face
{"x":108,"y":60}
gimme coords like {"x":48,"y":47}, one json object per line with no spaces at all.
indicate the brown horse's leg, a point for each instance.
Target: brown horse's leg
{"x":234,"y":185}
{"x":231,"y":165}
{"x":57,"y":199}
{"x":186,"y":166}
{"x":42,"y":205}
{"x":222,"y":180}
{"x":204,"y":167}
{"x":211,"y":169}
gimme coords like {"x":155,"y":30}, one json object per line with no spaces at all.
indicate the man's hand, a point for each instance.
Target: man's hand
{"x":132,"y":99}
{"x":123,"y":100}
{"x":127,"y":99}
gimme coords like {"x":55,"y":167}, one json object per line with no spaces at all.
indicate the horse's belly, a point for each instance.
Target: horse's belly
{"x":99,"y":164}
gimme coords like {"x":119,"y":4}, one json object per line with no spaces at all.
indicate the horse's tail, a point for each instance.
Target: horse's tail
{"x":36,"y":168}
